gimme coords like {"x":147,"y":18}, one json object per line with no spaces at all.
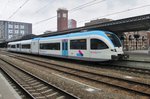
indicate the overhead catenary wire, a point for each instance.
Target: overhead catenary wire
{"x":73,"y":9}
{"x":45,"y":20}
{"x":18,"y":9}
{"x":43,"y":7}
{"x":118,"y":12}
{"x":86,"y":4}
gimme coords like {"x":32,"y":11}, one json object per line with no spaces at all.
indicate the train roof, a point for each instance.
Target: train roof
{"x":13,"y":42}
{"x":23,"y":41}
{"x":87,"y":33}
{"x":26,"y":41}
{"x":78,"y":34}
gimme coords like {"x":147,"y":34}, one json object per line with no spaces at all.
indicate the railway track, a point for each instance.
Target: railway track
{"x":17,"y":87}
{"x":111,"y":65}
{"x":136,"y":61}
{"x":122,"y":83}
{"x":134,"y":69}
{"x":35,"y":87}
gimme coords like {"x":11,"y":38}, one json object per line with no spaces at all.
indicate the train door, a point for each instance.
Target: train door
{"x":65,"y":47}
{"x":18,"y":47}
{"x":99,"y":50}
{"x":35,"y":46}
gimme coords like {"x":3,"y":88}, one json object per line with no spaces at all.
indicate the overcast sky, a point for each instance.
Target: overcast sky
{"x":35,"y":11}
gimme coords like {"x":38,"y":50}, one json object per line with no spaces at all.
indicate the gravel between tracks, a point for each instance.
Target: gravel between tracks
{"x":82,"y":91}
{"x":122,"y":74}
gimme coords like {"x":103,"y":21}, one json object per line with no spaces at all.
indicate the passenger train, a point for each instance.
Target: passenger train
{"x":93,"y":45}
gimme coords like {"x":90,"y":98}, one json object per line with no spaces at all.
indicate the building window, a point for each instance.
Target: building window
{"x":26,"y":46}
{"x":10,"y":31}
{"x":22,"y":32}
{"x":10,"y":36}
{"x":78,"y":44}
{"x":50,"y":46}
{"x":16,"y":31}
{"x":21,"y":26}
{"x":64,"y":15}
{"x":10,"y":26}
{"x":97,"y":44}
{"x":16,"y":26}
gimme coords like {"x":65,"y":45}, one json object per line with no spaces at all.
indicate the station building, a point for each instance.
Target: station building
{"x":10,"y":30}
{"x":72,"y":23}
{"x":62,"y":19}
{"x":98,"y":21}
{"x":132,"y":43}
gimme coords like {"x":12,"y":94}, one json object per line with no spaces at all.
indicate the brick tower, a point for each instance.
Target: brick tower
{"x":62,"y":19}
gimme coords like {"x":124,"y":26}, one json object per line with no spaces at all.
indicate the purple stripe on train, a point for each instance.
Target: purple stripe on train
{"x":79,"y":53}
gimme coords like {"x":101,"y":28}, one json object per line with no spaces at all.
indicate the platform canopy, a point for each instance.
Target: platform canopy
{"x":123,"y":25}
{"x":26,"y":37}
{"x":117,"y":26}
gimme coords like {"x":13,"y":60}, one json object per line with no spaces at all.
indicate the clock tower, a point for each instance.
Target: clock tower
{"x":62,"y":19}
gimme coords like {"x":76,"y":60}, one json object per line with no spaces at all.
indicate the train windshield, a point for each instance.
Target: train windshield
{"x":115,"y":40}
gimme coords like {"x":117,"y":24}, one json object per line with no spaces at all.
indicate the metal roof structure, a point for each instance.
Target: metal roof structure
{"x":117,"y":26}
{"x":123,"y":25}
{"x":26,"y":37}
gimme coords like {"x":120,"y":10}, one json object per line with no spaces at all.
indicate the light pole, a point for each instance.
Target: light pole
{"x":122,"y":38}
{"x":130,"y":39}
{"x":136,"y":36}
{"x":126,"y":42}
{"x":143,"y":39}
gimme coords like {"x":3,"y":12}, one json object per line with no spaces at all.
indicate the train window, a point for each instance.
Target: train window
{"x":115,"y":40}
{"x":13,"y":46}
{"x":18,"y":45}
{"x":50,"y":46}
{"x":97,"y":44}
{"x":26,"y":46}
{"x":78,"y":44}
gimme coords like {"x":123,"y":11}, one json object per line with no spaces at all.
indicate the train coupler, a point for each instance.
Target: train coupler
{"x":123,"y":56}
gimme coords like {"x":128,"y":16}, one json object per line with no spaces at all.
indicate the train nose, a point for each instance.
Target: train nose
{"x":118,"y":49}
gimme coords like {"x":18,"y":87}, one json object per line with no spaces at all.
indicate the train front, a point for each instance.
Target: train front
{"x":118,"y":48}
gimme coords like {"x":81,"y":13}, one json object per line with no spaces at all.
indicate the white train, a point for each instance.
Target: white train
{"x":89,"y":46}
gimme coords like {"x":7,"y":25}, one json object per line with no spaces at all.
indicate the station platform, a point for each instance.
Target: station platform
{"x":139,"y":55}
{"x":6,"y":90}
